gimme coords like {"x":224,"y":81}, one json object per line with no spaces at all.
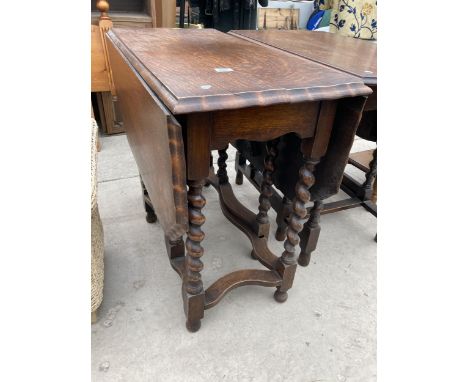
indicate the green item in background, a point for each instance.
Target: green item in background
{"x":325,"y":19}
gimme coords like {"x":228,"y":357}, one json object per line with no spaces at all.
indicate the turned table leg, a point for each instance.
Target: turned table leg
{"x":266,"y":190}
{"x":150,"y":214}
{"x":207,"y":183}
{"x":287,"y":263}
{"x":222,"y":166}
{"x":240,"y":161}
{"x":310,"y":234}
{"x":195,"y":295}
{"x":198,"y":159}
{"x":281,"y":219}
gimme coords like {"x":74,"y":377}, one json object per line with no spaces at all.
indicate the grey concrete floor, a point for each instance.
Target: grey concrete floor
{"x":326,"y":331}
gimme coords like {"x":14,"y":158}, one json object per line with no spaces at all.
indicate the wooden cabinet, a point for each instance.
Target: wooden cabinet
{"x":123,"y":13}
{"x":104,"y":100}
{"x":129,"y":13}
{"x":139,"y":13}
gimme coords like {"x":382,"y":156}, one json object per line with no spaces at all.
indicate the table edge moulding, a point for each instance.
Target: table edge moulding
{"x":183,"y":105}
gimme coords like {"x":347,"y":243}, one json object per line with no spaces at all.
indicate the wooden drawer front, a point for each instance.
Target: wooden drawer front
{"x":264,"y":123}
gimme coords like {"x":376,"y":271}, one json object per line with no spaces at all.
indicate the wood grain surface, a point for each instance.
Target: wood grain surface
{"x":194,"y":70}
{"x":155,"y":138}
{"x":236,"y":279}
{"x":100,"y":81}
{"x":263,"y":123}
{"x":352,"y":55}
{"x":277,"y":18}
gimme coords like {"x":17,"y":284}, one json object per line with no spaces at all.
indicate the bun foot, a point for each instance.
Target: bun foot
{"x":151,"y":218}
{"x":304,"y":259}
{"x":280,"y":296}
{"x":193,"y":326}
{"x":252,"y":255}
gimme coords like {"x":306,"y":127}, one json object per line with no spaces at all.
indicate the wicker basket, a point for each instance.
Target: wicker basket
{"x":97,"y":234}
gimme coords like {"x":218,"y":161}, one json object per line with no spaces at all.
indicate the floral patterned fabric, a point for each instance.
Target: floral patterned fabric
{"x":354,"y":18}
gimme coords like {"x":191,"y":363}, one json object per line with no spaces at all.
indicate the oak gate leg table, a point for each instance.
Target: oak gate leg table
{"x":186,"y":92}
{"x":349,"y":55}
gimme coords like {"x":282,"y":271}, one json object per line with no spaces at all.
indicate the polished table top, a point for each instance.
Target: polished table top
{"x":351,"y":55}
{"x":193,"y":70}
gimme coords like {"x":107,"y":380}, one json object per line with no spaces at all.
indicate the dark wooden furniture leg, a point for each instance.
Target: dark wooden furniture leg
{"x":181,"y":13}
{"x":198,"y":156}
{"x":361,"y":192}
{"x":287,"y":264}
{"x":175,"y":248}
{"x":240,"y":161}
{"x":195,"y":295}
{"x":282,"y":217}
{"x":150,"y":214}
{"x":370,"y":176}
{"x":207,"y":183}
{"x":222,"y":166}
{"x":310,"y":234}
{"x":266,"y":189}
